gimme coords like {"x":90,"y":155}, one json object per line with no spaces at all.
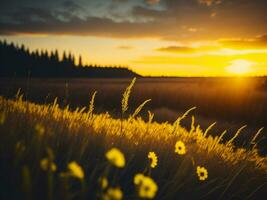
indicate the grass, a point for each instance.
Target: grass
{"x":231,"y":102}
{"x":48,"y":152}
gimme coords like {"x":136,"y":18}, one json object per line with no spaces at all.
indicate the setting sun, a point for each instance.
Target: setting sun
{"x":239,"y":67}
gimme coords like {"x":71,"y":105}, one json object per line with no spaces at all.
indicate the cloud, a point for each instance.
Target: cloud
{"x":263,"y":38}
{"x":136,"y":19}
{"x":141,"y":11}
{"x":70,"y":5}
{"x":41,"y":21}
{"x":210,"y":2}
{"x":119,"y":1}
{"x":125,"y":47}
{"x":152,"y":1}
{"x":177,"y":49}
{"x":193,"y":48}
{"x":239,"y":43}
{"x":213,"y":14}
{"x":222,"y":45}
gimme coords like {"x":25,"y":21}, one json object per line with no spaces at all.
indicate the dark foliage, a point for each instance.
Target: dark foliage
{"x":18,"y":61}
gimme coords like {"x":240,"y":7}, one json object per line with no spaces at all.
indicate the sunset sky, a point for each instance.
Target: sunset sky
{"x":152,"y":37}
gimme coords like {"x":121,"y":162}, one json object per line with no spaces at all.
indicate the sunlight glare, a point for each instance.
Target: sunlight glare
{"x":239,"y":67}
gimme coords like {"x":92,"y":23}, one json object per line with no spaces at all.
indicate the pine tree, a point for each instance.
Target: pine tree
{"x":69,"y":58}
{"x":80,"y":61}
{"x":56,"y":56}
{"x":73,"y":60}
{"x":64,"y":57}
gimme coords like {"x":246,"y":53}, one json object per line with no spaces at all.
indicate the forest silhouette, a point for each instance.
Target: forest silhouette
{"x":19,"y":61}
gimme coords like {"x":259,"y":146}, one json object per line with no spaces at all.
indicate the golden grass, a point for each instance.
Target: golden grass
{"x":47,"y":141}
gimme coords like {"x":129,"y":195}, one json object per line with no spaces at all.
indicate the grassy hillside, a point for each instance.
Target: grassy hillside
{"x":52,"y":153}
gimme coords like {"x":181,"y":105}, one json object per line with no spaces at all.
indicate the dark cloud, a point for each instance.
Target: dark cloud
{"x":165,"y":19}
{"x":70,"y":5}
{"x":49,"y":23}
{"x":141,"y":11}
{"x":31,"y":14}
{"x":120,"y":1}
{"x":177,"y":49}
{"x":176,"y":13}
{"x":71,"y":8}
{"x":152,"y":1}
{"x":31,"y":20}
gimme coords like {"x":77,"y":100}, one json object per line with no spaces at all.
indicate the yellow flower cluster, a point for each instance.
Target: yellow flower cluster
{"x":75,"y":170}
{"x":116,"y":157}
{"x":2,"y":118}
{"x":147,"y":188}
{"x":46,"y":165}
{"x":113,"y":194}
{"x":39,"y":129}
{"x":103,"y":181}
{"x":153,"y":159}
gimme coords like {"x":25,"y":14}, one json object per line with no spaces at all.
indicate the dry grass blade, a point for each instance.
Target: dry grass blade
{"x":139,"y":108}
{"x":236,"y":135}
{"x":253,"y":141}
{"x":192,"y":124}
{"x":184,"y":115}
{"x":177,"y":122}
{"x":126,"y":95}
{"x":91,"y":105}
{"x":209,"y":128}
{"x":150,"y":117}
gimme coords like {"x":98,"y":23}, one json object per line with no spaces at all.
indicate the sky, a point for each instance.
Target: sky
{"x":151,"y":37}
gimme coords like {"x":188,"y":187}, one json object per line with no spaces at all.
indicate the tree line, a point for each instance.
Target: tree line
{"x":19,"y":61}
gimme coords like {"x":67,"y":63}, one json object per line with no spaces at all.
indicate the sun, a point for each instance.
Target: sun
{"x":239,"y":67}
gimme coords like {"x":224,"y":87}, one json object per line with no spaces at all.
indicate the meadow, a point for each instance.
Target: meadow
{"x":231,"y":102}
{"x":55,"y":151}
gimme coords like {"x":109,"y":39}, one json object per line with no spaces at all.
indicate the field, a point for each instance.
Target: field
{"x":231,"y":102}
{"x":54,"y":151}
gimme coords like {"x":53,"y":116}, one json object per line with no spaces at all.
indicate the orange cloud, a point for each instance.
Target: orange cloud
{"x":210,"y":2}
{"x":177,"y":49}
{"x":190,"y":49}
{"x":250,"y":43}
{"x":125,"y":47}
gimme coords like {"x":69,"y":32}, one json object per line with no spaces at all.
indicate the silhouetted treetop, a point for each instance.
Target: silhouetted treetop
{"x":19,"y":61}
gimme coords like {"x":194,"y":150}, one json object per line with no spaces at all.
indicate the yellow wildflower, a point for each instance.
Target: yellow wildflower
{"x":39,"y":129}
{"x":116,"y":157}
{"x":153,"y":159}
{"x":76,"y":170}
{"x":138,"y":179}
{"x":20,"y":147}
{"x":180,"y":148}
{"x":147,"y":188}
{"x":103,"y":181}
{"x":113,"y":194}
{"x":202,"y":173}
{"x":46,"y":165}
{"x":2,"y":118}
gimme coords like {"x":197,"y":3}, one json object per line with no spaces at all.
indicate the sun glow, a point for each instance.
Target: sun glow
{"x":239,"y":67}
{"x":205,"y":59}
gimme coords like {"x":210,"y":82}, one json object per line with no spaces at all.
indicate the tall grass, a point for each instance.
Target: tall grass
{"x":52,"y":153}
